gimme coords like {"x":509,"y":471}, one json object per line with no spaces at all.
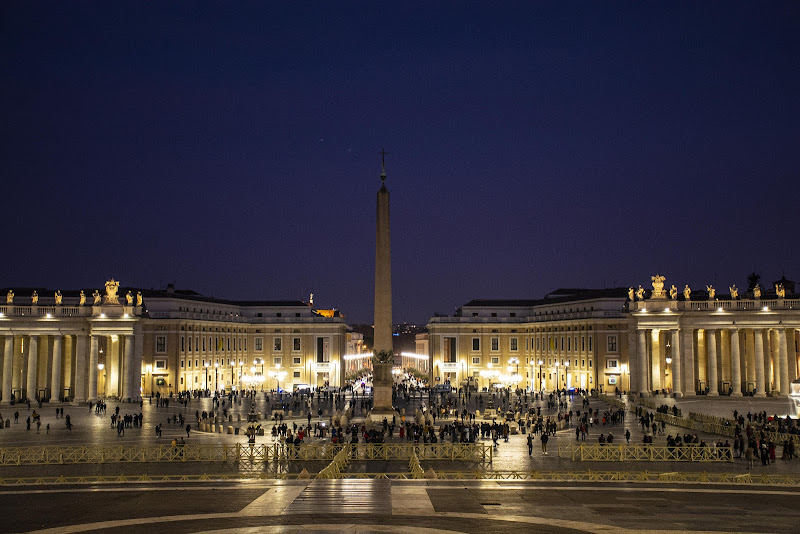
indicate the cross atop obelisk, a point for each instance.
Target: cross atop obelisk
{"x":383,"y":154}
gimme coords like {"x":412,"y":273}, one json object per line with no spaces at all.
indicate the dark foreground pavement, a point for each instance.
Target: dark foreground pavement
{"x":397,"y":506}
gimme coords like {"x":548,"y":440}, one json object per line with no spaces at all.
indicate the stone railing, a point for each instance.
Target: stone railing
{"x":715,"y":305}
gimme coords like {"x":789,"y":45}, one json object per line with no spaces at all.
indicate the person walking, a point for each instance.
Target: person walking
{"x":544,"y":442}
{"x":530,"y":444}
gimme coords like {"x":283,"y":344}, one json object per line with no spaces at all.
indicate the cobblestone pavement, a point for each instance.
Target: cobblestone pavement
{"x":398,"y":506}
{"x":90,"y":428}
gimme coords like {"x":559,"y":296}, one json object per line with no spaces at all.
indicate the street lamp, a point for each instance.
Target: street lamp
{"x":216,"y":376}
{"x":566,"y":371}
{"x":541,"y":378}
{"x":100,"y":367}
{"x":149,"y":369}
{"x":205,"y":364}
{"x":278,"y":375}
{"x":241,"y":363}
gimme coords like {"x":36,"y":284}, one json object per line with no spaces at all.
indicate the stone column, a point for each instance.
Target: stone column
{"x":33,"y":357}
{"x":791,"y":344}
{"x":783,"y":362}
{"x":687,"y":355}
{"x":128,"y":394}
{"x":93,"y":357}
{"x":55,"y":381}
{"x":138,"y":354}
{"x":644,"y":369}
{"x":677,"y":375}
{"x":761,"y":387}
{"x":79,"y":381}
{"x":8,"y":369}
{"x":711,"y":343}
{"x":772,"y":339}
{"x":736,"y":364}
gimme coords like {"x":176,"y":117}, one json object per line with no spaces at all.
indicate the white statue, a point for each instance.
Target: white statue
{"x":35,"y":298}
{"x":10,"y":297}
{"x":757,"y":291}
{"x":631,"y":294}
{"x":129,"y":298}
{"x":673,"y":292}
{"x":83,"y":298}
{"x":139,"y":298}
{"x":687,"y":292}
{"x":96,"y":296}
{"x":658,"y":287}
{"x":58,"y":298}
{"x":640,"y":293}
{"x":780,"y":291}
{"x":112,"y":286}
{"x":734,"y":292}
{"x":711,"y":292}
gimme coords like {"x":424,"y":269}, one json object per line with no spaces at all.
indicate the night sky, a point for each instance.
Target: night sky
{"x":232,"y":148}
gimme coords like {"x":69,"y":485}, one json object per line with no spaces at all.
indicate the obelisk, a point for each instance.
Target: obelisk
{"x":383,"y":355}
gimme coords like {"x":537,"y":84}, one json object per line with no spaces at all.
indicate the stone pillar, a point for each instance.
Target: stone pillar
{"x":8,"y":369}
{"x":736,"y":364}
{"x":33,"y":357}
{"x":656,"y":356}
{"x":79,"y":381}
{"x":761,"y":386}
{"x":93,"y":357}
{"x":644,"y":369}
{"x":791,"y":344}
{"x":711,"y":343}
{"x":128,"y":393}
{"x":633,"y":360}
{"x":687,"y":355}
{"x":138,"y":354}
{"x":783,"y":362}
{"x":772,"y":339}
{"x":55,"y":381}
{"x":677,"y":375}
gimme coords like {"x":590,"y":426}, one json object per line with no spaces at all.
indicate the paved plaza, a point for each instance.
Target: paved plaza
{"x":381,"y":505}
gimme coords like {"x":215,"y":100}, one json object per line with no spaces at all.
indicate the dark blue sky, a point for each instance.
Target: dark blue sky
{"x":232,"y":148}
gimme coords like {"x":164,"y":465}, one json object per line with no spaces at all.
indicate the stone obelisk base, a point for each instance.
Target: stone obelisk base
{"x":382,"y":388}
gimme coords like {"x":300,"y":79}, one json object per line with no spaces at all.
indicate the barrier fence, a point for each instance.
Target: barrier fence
{"x":261,"y":453}
{"x":553,"y":476}
{"x":647,"y":453}
{"x":612,"y":401}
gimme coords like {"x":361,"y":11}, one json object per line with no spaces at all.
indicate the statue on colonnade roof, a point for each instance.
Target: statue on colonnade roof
{"x":711,"y":292}
{"x":687,"y":292}
{"x":83,"y":298}
{"x":10,"y":297}
{"x":734,"y":292}
{"x":96,"y":296}
{"x":640,"y":293}
{"x":138,"y":298}
{"x":780,"y":291}
{"x":58,"y":297}
{"x":128,"y":298}
{"x":757,"y":291}
{"x":673,"y":292}
{"x":112,"y":286}
{"x":35,"y":298}
{"x":631,"y":294}
{"x":658,"y":287}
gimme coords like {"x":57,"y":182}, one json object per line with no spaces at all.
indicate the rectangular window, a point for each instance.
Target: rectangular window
{"x":537,"y":343}
{"x":277,"y":361}
{"x":161,"y":364}
{"x":229,"y":343}
{"x":583,"y":343}
{"x":259,"y":344}
{"x":476,"y":360}
{"x":296,"y":360}
{"x":449,"y":350}
{"x":296,"y":344}
{"x":297,"y":374}
{"x":197,"y":344}
{"x":323,"y":349}
{"x":583,"y":363}
{"x":161,"y":344}
{"x":590,"y":364}
{"x":189,"y":362}
{"x":514,"y":346}
{"x":182,"y":363}
{"x":183,"y":344}
{"x":495,"y":360}
{"x":562,"y":343}
{"x":569,"y":344}
{"x":612,"y":364}
{"x":495,"y":343}
{"x":277,"y":344}
{"x":476,"y":343}
{"x":590,"y":343}
{"x":612,"y":343}
{"x":204,"y":344}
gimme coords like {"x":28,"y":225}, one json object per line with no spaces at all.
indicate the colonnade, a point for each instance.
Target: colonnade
{"x":53,"y":366}
{"x":717,"y":360}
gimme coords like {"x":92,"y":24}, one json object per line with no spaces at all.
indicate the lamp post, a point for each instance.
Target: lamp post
{"x":566,"y":372}
{"x":216,"y":376}
{"x":149,"y":370}
{"x":241,"y":363}
{"x":205,"y":364}
{"x":666,"y":371}
{"x":541,"y":378}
